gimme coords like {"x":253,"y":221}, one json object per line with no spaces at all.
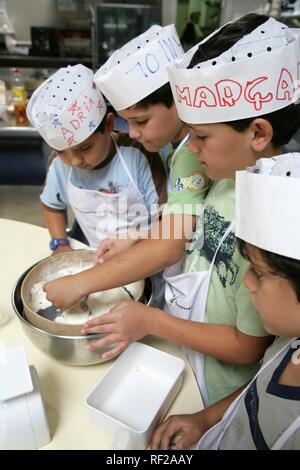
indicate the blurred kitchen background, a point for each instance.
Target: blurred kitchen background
{"x":39,"y":36}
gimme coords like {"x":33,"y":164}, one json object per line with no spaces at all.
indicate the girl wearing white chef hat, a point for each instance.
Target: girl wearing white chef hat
{"x":266,"y":415}
{"x":99,"y":173}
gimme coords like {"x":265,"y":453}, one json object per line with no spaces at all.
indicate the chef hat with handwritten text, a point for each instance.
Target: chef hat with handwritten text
{"x":256,"y":76}
{"x":139,"y":67}
{"x":267,"y":205}
{"x":67,"y":108}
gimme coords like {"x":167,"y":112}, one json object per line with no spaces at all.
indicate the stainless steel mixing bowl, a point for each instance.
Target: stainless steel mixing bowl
{"x":48,"y":269}
{"x":68,"y":349}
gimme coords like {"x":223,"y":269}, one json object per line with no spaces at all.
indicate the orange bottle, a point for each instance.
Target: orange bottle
{"x":19,"y":97}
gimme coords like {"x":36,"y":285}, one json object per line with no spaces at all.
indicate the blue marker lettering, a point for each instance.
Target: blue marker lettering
{"x":138,"y":64}
{"x":155,"y":63}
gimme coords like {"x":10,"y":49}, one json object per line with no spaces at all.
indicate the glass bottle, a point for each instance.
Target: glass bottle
{"x":2,"y":100}
{"x":19,"y":97}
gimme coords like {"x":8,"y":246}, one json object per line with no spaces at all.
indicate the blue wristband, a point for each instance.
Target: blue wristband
{"x":56,"y":242}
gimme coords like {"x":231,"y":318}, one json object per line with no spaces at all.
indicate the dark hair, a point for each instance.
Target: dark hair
{"x":285,"y":122}
{"x":101,"y":127}
{"x":162,"y":95}
{"x":283,"y":266}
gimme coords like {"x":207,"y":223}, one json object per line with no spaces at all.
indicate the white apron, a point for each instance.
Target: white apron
{"x":102,"y":215}
{"x":186,"y":296}
{"x":158,"y":281}
{"x":212,"y":438}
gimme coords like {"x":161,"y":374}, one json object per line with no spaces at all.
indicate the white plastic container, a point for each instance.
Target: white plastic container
{"x":23,"y":420}
{"x":135,"y":394}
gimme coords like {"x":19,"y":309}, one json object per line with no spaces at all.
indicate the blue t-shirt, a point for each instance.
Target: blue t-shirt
{"x":112,"y":178}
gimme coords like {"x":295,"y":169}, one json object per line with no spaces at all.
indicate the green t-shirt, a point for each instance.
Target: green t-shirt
{"x":228,"y":301}
{"x":189,"y":184}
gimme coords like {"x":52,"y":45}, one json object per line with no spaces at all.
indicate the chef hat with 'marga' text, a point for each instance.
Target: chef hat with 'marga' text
{"x":258,"y":75}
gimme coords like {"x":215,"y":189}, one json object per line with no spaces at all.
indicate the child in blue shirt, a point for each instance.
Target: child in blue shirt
{"x":104,"y":176}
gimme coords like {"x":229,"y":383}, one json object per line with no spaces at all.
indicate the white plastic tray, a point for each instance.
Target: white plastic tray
{"x":135,"y":394}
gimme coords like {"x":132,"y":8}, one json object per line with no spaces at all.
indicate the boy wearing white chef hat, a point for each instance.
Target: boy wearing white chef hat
{"x":135,"y":81}
{"x":95,"y":167}
{"x":211,"y":313}
{"x":266,"y":415}
{"x":208,"y":308}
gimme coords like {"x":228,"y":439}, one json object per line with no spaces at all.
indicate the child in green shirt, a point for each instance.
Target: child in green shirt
{"x":208,"y":309}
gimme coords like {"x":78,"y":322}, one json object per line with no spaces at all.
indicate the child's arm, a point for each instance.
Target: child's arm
{"x":56,"y":223}
{"x":142,"y":260}
{"x":186,"y":430}
{"x":111,"y":247}
{"x":54,"y":199}
{"x":131,"y":321}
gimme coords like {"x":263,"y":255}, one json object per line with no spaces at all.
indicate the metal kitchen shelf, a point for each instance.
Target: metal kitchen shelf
{"x":8,"y":60}
{"x":18,"y":131}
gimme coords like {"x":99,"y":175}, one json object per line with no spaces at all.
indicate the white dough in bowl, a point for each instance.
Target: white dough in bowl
{"x":98,"y":303}
{"x":101,"y":302}
{"x":38,"y":297}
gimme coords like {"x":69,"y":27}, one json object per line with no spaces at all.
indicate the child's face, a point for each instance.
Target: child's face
{"x":272,"y":296}
{"x":153,"y":127}
{"x":89,"y":153}
{"x":220,"y":149}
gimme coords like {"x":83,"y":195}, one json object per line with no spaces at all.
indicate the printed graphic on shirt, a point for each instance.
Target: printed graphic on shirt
{"x":58,"y":197}
{"x":215,"y":226}
{"x":194,"y":182}
{"x":113,"y":188}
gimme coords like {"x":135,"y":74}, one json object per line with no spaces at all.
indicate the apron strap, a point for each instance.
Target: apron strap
{"x":287,"y":434}
{"x":126,"y":167}
{"x":182,"y":143}
{"x":267,"y":364}
{"x":69,"y":177}
{"x":229,"y":229}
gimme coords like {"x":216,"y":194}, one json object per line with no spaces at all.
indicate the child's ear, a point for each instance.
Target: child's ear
{"x":262,"y":134}
{"x":109,"y":122}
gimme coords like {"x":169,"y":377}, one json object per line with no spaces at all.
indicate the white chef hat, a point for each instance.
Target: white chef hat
{"x":257,"y":75}
{"x":267,"y":205}
{"x":139,"y":67}
{"x":67,"y":108}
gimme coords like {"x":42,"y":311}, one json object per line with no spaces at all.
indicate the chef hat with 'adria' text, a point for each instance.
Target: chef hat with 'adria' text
{"x":139,"y":67}
{"x":267,"y":205}
{"x":67,"y":108}
{"x":256,"y":76}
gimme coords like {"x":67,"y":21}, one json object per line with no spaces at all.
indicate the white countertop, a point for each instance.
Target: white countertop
{"x":65,"y":387}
